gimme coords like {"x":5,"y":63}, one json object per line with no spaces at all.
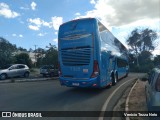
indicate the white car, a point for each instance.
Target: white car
{"x":14,"y":71}
{"x":152,"y":89}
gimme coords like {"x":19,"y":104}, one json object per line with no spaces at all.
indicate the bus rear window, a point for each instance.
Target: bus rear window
{"x":76,"y":28}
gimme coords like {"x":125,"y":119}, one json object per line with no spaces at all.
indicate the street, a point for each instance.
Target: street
{"x":50,"y":96}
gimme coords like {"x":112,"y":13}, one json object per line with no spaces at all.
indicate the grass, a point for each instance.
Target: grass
{"x":122,"y":105}
{"x":32,"y":70}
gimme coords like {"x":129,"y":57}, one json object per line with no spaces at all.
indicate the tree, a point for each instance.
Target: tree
{"x":6,"y":52}
{"x":157,"y":60}
{"x":40,"y":55}
{"x":142,"y":40}
{"x":22,"y":49}
{"x":145,"y":61}
{"x":30,"y":50}
{"x":133,"y":41}
{"x":47,"y":57}
{"x":141,"y":43}
{"x":148,"y":38}
{"x":51,"y":57}
{"x":23,"y":58}
{"x":39,"y":52}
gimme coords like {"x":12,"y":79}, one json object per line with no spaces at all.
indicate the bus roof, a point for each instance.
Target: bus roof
{"x":78,"y":20}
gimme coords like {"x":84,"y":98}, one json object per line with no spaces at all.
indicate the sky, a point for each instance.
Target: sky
{"x":27,"y":23}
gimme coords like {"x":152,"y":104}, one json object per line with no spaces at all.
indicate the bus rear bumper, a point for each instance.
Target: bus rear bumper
{"x":91,"y":82}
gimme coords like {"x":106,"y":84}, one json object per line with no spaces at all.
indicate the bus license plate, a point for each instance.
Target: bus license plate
{"x":85,"y":70}
{"x":75,"y":84}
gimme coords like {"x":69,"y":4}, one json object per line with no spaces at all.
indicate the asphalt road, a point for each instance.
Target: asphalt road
{"x":50,"y":96}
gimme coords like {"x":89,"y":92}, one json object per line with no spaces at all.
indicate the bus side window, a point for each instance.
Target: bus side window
{"x":120,"y":63}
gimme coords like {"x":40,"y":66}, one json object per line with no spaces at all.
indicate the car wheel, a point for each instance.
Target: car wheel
{"x":44,"y":75}
{"x":3,"y":76}
{"x":51,"y":74}
{"x":26,"y":74}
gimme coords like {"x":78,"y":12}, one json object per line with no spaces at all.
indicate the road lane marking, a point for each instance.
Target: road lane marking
{"x":101,"y":117}
{"x":128,"y":97}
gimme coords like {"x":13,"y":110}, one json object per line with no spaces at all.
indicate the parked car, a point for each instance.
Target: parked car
{"x":14,"y":71}
{"x":152,"y":90}
{"x":48,"y":70}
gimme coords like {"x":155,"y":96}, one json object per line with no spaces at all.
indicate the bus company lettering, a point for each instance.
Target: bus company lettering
{"x":74,"y":31}
{"x":14,"y":114}
{"x":19,"y":114}
{"x":34,"y":115}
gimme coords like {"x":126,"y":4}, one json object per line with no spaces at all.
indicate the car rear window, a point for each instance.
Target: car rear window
{"x":47,"y":67}
{"x":44,"y":67}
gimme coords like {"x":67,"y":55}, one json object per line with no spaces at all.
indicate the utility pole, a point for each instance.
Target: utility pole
{"x":35,"y":55}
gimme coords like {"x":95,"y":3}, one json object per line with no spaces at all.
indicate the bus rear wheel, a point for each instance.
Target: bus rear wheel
{"x":116,"y":77}
{"x":113,"y":79}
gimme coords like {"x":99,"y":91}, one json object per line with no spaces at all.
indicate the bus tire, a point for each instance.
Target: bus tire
{"x":113,"y":79}
{"x":126,"y":74}
{"x":116,"y":77}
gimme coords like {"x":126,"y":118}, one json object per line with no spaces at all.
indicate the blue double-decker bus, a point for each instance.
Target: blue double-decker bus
{"x":89,"y":55}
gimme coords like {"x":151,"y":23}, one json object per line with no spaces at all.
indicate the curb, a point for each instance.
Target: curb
{"x":103,"y":109}
{"x":128,"y":97}
{"x":28,"y":80}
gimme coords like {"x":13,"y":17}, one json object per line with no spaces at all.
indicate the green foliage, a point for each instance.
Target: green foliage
{"x":50,"y":58}
{"x":6,"y":50}
{"x":22,"y":49}
{"x":141,"y":44}
{"x":142,"y":40}
{"x":8,"y":55}
{"x":144,"y":57}
{"x":23,"y":58}
{"x":157,"y":60}
{"x":145,"y":63}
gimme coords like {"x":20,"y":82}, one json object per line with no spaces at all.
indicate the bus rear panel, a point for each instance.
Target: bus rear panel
{"x":77,"y":62}
{"x":83,"y":62}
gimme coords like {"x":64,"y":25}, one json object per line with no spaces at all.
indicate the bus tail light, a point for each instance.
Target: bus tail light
{"x":59,"y":70}
{"x":94,"y":85}
{"x":95,"y":69}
